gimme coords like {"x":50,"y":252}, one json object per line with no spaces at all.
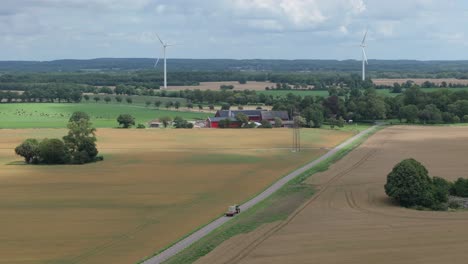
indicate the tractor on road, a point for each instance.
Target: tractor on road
{"x":233,"y":210}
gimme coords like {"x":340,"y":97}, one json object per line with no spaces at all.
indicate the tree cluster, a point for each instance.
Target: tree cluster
{"x":77,"y":147}
{"x":179,"y":122}
{"x":409,"y":184}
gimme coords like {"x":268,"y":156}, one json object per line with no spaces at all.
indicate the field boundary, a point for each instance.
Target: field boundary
{"x":205,"y":230}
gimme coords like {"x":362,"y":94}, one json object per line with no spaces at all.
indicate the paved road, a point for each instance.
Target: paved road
{"x":186,"y":242}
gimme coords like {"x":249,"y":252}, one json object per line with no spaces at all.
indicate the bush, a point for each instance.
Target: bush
{"x":278,"y":122}
{"x":80,"y":157}
{"x":454,"y":205}
{"x":53,"y":151}
{"x":465,"y":119}
{"x":441,"y":189}
{"x":456,"y":119}
{"x":141,"y":126}
{"x":265,"y":124}
{"x":460,"y":188}
{"x":179,"y":122}
{"x":29,"y":150}
{"x":251,"y":125}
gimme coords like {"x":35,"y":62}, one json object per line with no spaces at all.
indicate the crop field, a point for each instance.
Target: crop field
{"x":45,"y":115}
{"x":351,"y":220}
{"x":153,"y":187}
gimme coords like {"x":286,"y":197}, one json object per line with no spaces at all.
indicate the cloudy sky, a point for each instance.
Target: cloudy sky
{"x":239,"y":29}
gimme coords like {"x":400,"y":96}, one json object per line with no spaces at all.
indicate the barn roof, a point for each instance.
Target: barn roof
{"x":267,"y":115}
{"x":233,"y":113}
{"x":217,"y":119}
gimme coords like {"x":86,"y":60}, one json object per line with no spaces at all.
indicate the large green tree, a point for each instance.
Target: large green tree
{"x":410,"y":185}
{"x":81,"y":141}
{"x":126,"y":120}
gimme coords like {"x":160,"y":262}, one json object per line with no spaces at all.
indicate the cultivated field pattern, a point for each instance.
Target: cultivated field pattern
{"x":351,"y":220}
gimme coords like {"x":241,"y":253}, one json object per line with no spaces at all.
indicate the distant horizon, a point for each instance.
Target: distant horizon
{"x":263,"y":59}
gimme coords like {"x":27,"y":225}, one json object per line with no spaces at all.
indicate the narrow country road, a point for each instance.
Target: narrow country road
{"x":186,"y":242}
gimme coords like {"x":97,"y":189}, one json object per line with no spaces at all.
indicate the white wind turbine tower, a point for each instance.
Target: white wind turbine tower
{"x":164,"y":46}
{"x":364,"y":56}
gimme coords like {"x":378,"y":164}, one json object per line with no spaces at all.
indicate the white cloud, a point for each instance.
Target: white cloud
{"x":297,"y":14}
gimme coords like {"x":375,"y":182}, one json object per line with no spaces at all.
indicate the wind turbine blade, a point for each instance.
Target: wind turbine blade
{"x":364,"y":55}
{"x":156,"y":64}
{"x":364,"y":39}
{"x":160,"y":40}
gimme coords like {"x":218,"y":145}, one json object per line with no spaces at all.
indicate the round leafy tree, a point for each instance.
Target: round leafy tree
{"x":410,"y":185}
{"x":126,"y":120}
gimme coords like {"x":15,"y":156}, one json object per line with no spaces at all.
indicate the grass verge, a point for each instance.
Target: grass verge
{"x":277,"y":207}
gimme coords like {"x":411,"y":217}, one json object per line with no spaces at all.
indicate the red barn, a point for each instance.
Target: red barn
{"x":213,"y":122}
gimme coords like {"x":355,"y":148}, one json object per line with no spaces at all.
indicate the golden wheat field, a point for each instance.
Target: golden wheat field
{"x":350,"y":220}
{"x":153,"y":187}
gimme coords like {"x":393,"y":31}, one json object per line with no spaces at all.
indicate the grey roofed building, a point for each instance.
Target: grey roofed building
{"x":271,"y":115}
{"x":233,"y":113}
{"x":217,"y":119}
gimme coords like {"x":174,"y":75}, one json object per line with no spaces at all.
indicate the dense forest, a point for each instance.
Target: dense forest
{"x":377,"y":68}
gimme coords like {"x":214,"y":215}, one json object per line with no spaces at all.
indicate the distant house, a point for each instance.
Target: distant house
{"x":254,"y":116}
{"x":155,"y":124}
{"x":272,"y":115}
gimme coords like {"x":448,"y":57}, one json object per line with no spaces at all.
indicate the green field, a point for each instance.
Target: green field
{"x":47,"y":115}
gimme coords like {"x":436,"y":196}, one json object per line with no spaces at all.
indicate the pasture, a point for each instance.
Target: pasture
{"x":351,"y":219}
{"x":153,"y":187}
{"x":47,"y":115}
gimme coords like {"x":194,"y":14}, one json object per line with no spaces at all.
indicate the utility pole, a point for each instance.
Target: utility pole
{"x":296,"y":145}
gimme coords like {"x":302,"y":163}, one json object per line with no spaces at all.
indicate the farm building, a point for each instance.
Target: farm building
{"x":253,"y":115}
{"x":155,"y":123}
{"x":213,"y":122}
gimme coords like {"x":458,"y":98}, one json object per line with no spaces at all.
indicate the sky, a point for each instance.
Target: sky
{"x":236,"y":29}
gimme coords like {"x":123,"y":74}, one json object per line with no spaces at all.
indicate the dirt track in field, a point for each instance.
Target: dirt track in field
{"x":351,"y":220}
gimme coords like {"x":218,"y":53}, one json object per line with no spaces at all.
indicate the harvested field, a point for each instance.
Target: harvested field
{"x":257,"y":86}
{"x":153,"y":187}
{"x":351,"y":220}
{"x":420,"y":81}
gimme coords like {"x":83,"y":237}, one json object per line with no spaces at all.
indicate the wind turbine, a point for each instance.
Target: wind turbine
{"x":364,"y":56}
{"x":164,"y":46}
